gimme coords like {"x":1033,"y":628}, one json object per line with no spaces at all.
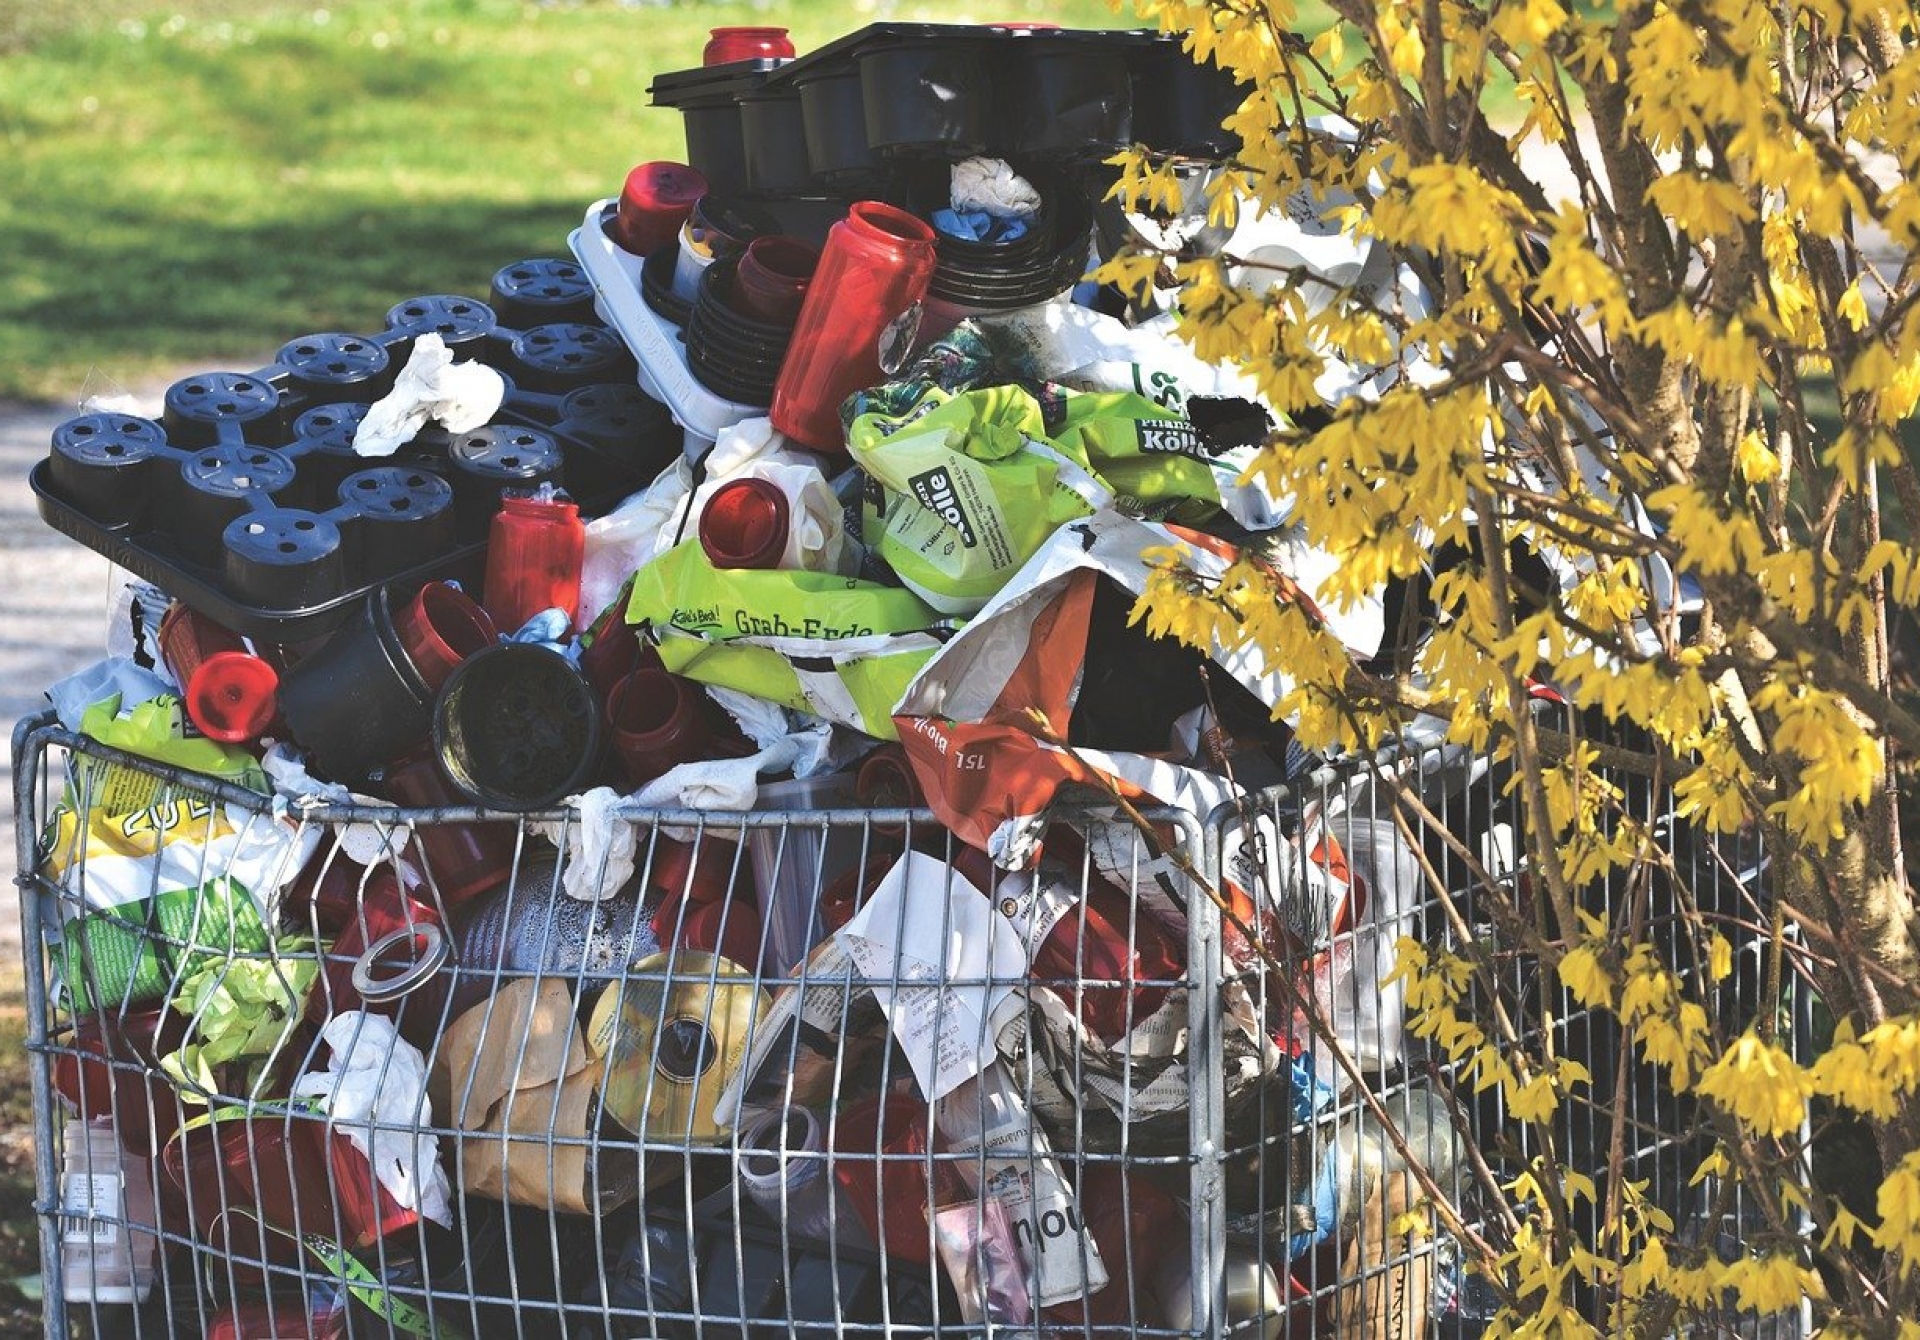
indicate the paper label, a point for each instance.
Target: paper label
{"x":90,"y":1208}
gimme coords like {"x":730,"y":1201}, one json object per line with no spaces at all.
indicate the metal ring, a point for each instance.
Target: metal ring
{"x":432,"y":957}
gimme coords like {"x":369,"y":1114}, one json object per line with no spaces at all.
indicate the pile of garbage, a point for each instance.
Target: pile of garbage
{"x":818,"y":480}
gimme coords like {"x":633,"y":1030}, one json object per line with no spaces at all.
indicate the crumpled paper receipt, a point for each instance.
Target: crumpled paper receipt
{"x":458,"y":396}
{"x":375,"y":1090}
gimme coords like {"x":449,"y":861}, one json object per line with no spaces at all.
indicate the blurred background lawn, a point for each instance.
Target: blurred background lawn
{"x":198,"y":182}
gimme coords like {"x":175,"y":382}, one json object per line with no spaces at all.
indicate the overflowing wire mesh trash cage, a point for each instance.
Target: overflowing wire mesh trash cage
{"x":813,"y":1070}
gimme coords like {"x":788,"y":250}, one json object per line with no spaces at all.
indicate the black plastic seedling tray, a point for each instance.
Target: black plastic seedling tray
{"x":850,"y":115}
{"x":246,"y":500}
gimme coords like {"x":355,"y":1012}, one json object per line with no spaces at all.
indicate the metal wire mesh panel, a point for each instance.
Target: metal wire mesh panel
{"x":805,"y":1071}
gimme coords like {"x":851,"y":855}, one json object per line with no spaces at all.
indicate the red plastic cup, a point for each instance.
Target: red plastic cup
{"x":439,"y":628}
{"x":291,"y":1173}
{"x":387,"y":960}
{"x":656,"y":723}
{"x":848,"y":892}
{"x":729,"y":930}
{"x":534,"y":552}
{"x":116,"y":1074}
{"x":877,"y":264}
{"x":698,"y":875}
{"x":726,"y":45}
{"x":275,"y":1321}
{"x":654,"y":202}
{"x":231,"y":697}
{"x":875,"y":1142}
{"x":462,"y":860}
{"x":771,"y":280}
{"x":744,"y":524}
{"x":615,"y":653}
{"x":1122,"y":1210}
{"x":1087,"y":957}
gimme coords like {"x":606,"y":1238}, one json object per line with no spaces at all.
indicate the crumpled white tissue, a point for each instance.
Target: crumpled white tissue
{"x":649,"y":522}
{"x":377,"y":1079}
{"x":458,"y":396}
{"x":991,"y":186}
{"x":819,"y":745}
{"x":599,"y":848}
{"x":720,"y":783}
{"x":361,"y":842}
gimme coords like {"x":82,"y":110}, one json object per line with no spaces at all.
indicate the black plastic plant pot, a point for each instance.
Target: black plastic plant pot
{"x":106,"y":464}
{"x":357,"y":703}
{"x":499,"y":456}
{"x":1179,"y":105}
{"x":336,"y":367}
{"x":1063,"y":100}
{"x":619,"y":417}
{"x":566,"y":354}
{"x":833,"y":119}
{"x":719,"y":322}
{"x":964,"y":253}
{"x":460,"y":322}
{"x":927,"y":97}
{"x":516,"y":728}
{"x":214,"y":486}
{"x":540,"y":291}
{"x":741,"y":382}
{"x":716,"y":143}
{"x":1033,"y":283}
{"x":774,"y":141}
{"x":324,"y":436}
{"x":400,"y":517}
{"x":707,"y":98}
{"x":284,"y":559}
{"x":656,"y":286}
{"x":220,"y":406}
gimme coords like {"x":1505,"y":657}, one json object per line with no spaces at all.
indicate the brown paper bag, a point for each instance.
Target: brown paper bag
{"x":1386,"y":1295}
{"x":515,"y":1075}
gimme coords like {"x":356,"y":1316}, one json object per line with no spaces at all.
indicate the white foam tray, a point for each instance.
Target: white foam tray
{"x":655,"y":341}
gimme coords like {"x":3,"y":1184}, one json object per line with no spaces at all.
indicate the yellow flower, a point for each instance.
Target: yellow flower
{"x":1761,"y":1085}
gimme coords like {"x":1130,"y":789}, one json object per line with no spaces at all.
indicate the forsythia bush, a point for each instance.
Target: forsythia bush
{"x":1674,"y":380}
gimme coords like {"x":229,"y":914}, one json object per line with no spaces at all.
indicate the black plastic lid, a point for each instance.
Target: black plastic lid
{"x":711,"y":83}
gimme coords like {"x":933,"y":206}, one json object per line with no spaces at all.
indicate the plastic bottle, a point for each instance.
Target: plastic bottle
{"x":876,"y":265}
{"x":783,"y":1170}
{"x":533,"y":557}
{"x":106,"y":1201}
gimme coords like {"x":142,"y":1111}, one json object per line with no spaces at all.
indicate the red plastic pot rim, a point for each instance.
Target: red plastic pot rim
{"x":230,"y":697}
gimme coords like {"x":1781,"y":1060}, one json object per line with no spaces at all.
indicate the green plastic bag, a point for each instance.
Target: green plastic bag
{"x":159,"y":879}
{"x":839,"y":647}
{"x":972,"y":490}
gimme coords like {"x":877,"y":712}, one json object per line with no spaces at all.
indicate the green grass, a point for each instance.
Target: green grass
{"x":199,"y":182}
